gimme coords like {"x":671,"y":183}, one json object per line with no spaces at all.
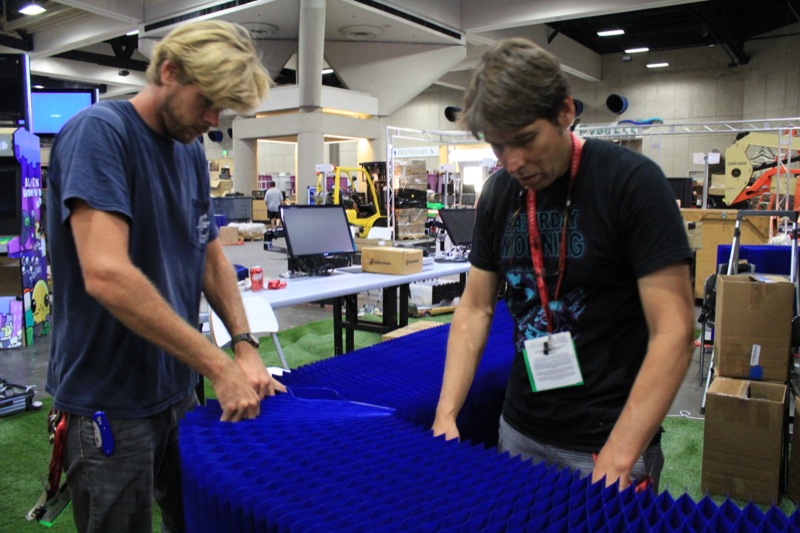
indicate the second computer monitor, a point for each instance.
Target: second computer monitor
{"x":317,"y":231}
{"x":459,"y":224}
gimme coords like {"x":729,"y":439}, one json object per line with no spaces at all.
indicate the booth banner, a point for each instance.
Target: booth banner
{"x":11,"y":325}
{"x":28,"y":247}
{"x":36,"y":295}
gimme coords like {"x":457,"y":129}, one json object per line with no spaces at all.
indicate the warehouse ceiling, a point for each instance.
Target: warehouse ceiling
{"x":727,"y":23}
{"x":85,"y":41}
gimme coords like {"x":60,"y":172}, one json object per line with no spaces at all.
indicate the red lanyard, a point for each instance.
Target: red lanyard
{"x":535,"y":240}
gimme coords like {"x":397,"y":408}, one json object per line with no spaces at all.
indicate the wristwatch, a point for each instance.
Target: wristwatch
{"x":247,"y":337}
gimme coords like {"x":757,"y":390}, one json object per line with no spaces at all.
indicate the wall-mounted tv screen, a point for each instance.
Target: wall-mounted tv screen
{"x":14,"y":90}
{"x":52,"y":108}
{"x":317,"y":230}
{"x":459,"y":224}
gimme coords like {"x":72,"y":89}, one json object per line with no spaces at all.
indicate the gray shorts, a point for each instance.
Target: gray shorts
{"x":516,"y":444}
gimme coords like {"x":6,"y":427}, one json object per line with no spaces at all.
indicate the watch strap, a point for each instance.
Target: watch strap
{"x":247,"y":337}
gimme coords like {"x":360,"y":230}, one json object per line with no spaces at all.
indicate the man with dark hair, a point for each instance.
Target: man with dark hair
{"x":589,"y":244}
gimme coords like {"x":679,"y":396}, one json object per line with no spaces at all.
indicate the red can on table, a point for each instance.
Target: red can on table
{"x":256,"y":278}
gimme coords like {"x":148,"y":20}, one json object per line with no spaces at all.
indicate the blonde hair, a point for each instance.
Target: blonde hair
{"x":217,"y":56}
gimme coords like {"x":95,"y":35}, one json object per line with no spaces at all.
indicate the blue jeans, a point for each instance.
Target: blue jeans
{"x":516,"y":444}
{"x":116,"y":493}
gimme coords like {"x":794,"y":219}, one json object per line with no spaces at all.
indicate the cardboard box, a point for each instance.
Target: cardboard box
{"x":743,"y":443}
{"x":409,"y":329}
{"x":391,"y":260}
{"x":753,"y":326}
{"x":718,"y":227}
{"x":694,"y":232}
{"x":228,"y":235}
{"x":793,"y":484}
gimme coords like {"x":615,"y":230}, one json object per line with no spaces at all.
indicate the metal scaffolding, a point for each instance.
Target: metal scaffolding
{"x":439,"y":138}
{"x":630,"y":131}
{"x":786,"y":129}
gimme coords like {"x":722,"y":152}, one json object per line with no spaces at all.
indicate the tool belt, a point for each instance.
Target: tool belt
{"x":54,"y":496}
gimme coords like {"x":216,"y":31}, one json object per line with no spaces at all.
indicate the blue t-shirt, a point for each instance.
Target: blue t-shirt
{"x":111,"y":159}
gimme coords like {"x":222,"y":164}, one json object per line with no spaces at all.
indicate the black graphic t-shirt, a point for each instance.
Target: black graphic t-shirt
{"x":623,"y":224}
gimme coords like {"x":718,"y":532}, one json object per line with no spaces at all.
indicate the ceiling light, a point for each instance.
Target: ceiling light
{"x":361,"y":32}
{"x":132,"y":33}
{"x":657,"y":65}
{"x":637,"y":50}
{"x":610,"y":33}
{"x":32,"y":8}
{"x":327,"y":71}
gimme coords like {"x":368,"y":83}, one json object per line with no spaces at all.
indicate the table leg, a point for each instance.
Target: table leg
{"x":405,"y":293}
{"x":390,"y":307}
{"x":337,"y":326}
{"x":351,"y":314}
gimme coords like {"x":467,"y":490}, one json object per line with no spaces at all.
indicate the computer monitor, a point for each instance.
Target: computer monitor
{"x":682,"y":190}
{"x":459,"y":224}
{"x":51,"y":109}
{"x":316,"y":231}
{"x":15,"y":101}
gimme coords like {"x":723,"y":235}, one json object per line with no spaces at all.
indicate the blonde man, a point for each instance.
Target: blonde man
{"x":134,"y":245}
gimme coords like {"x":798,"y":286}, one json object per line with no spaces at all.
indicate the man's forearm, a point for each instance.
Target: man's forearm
{"x":468,"y":334}
{"x":655,"y":388}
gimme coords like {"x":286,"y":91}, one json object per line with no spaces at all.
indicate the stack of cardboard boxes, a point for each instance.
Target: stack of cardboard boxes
{"x":411,"y":199}
{"x":745,"y":441}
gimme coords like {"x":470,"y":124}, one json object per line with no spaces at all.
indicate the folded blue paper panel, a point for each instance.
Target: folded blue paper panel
{"x":350,"y":449}
{"x":311,"y":465}
{"x":406,"y":375}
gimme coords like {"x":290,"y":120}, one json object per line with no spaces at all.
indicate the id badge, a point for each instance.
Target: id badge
{"x":552,"y":362}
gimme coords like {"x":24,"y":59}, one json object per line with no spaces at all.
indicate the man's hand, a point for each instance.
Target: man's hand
{"x":236,"y":396}
{"x":604,"y":466}
{"x":447,"y":428}
{"x":250,"y":362}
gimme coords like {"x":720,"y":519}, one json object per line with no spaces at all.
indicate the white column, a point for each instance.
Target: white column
{"x":310,"y":53}
{"x":245,"y":169}
{"x":310,"y":149}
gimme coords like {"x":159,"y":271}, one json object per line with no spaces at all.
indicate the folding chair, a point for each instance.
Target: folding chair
{"x":261,"y":318}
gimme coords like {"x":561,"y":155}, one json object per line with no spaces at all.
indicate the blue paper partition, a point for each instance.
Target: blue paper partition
{"x":311,"y":465}
{"x":350,"y":449}
{"x":406,"y":375}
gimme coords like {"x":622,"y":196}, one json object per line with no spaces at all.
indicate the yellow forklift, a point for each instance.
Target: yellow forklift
{"x":364,"y":209}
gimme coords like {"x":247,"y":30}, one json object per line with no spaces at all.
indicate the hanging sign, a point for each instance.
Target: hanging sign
{"x":419,"y":151}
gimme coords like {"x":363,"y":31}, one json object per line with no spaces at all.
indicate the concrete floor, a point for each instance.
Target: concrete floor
{"x":28,"y":366}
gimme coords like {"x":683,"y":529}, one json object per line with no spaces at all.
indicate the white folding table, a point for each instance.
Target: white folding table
{"x":343,"y":285}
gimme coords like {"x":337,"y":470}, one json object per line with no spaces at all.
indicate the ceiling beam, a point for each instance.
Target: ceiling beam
{"x":23,"y":43}
{"x":104,"y":60}
{"x":718,"y":29}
